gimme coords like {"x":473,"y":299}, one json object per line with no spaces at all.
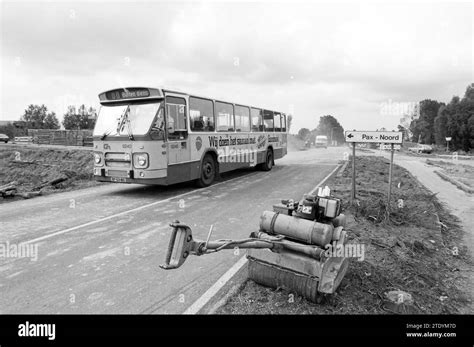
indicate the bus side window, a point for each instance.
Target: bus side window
{"x":283,"y":122}
{"x":257,"y":119}
{"x":201,"y":114}
{"x":225,"y":116}
{"x":242,"y":117}
{"x":268,"y":120}
{"x":277,"y":122}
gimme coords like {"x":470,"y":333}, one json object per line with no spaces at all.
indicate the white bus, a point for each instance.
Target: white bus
{"x":158,"y":136}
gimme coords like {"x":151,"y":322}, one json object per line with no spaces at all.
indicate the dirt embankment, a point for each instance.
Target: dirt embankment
{"x":417,"y":249}
{"x":35,"y":169}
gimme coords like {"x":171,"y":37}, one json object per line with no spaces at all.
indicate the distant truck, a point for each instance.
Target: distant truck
{"x":321,"y":141}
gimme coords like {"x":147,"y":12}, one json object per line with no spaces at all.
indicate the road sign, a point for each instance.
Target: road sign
{"x":448,"y":139}
{"x":374,"y":136}
{"x":382,"y":137}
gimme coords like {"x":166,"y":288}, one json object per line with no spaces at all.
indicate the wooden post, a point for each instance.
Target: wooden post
{"x":353,"y":194}
{"x":390,"y":178}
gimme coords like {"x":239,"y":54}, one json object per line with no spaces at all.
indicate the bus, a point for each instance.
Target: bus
{"x":161,"y":137}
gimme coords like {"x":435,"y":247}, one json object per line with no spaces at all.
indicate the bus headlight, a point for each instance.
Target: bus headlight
{"x":97,"y":158}
{"x":140,"y":160}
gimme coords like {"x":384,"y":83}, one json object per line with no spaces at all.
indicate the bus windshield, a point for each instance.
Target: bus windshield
{"x":131,"y":119}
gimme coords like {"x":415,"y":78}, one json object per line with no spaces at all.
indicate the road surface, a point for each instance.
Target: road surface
{"x":99,"y":248}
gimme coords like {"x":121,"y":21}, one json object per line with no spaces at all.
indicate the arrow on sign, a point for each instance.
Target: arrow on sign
{"x":350,"y":136}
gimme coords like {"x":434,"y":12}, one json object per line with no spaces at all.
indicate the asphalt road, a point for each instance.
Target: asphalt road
{"x":99,"y":248}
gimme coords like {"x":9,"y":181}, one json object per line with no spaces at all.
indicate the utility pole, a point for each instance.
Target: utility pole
{"x":390,"y":177}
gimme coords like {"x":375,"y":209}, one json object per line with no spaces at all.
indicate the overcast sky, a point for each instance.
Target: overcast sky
{"x":357,"y":62}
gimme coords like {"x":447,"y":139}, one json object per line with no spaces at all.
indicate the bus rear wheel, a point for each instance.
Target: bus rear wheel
{"x":208,"y":171}
{"x":268,"y":164}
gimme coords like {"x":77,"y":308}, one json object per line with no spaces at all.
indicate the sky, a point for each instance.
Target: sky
{"x":365,"y":63}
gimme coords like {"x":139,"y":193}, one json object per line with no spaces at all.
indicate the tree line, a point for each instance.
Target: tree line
{"x":38,"y":117}
{"x":434,"y":121}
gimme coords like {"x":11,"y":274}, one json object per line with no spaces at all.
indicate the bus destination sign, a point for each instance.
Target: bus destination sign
{"x":129,"y":93}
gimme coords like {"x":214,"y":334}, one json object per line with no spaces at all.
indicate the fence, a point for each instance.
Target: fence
{"x":61,"y":137}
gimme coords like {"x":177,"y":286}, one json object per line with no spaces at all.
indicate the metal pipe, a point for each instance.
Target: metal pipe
{"x":230,"y":244}
{"x":312,"y":233}
{"x":311,"y":251}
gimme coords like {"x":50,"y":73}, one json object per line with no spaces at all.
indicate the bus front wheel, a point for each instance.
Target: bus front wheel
{"x":268,"y":163}
{"x":208,"y":171}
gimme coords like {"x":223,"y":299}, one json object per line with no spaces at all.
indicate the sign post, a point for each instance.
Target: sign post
{"x":390,"y":137}
{"x":390,"y":178}
{"x":353,"y":191}
{"x":447,"y":143}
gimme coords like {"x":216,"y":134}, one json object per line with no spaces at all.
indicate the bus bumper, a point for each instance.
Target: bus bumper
{"x":155,"y":177}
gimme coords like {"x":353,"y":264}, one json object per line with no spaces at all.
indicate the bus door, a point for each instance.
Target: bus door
{"x":177,"y":130}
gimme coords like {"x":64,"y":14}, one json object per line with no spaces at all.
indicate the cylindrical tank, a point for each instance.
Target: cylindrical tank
{"x":304,"y":230}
